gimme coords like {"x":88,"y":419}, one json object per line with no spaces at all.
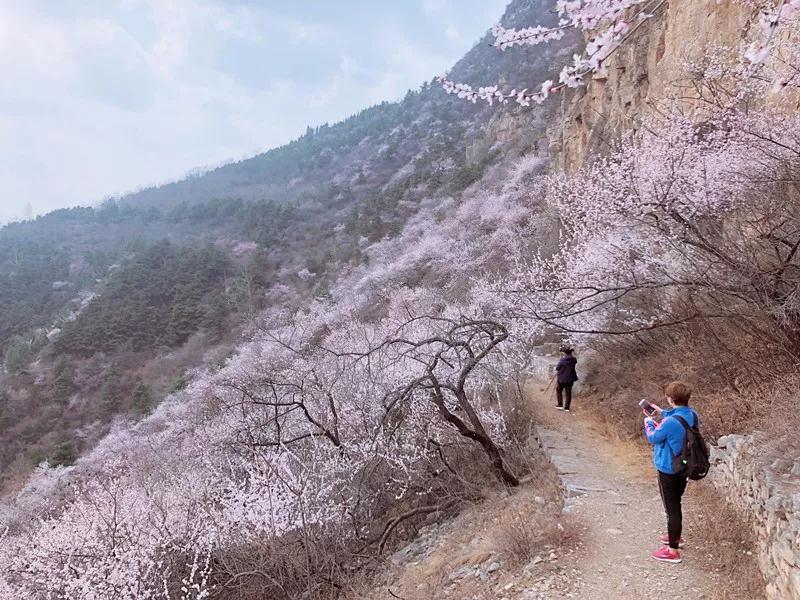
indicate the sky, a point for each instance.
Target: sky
{"x":100,"y":97}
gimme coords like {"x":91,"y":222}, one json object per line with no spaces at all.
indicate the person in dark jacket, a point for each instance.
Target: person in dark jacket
{"x":565,"y":377}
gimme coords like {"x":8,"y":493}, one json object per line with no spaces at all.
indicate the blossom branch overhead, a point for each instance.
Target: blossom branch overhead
{"x":769,"y":22}
{"x":616,"y":24}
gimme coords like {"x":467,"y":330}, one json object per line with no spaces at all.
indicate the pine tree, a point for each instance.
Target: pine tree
{"x":62,"y":385}
{"x":18,"y":355}
{"x":112,"y":392}
{"x":6,"y":415}
{"x":184,"y":319}
{"x":142,"y":400}
{"x":214,"y":315}
{"x":64,"y":453}
{"x":177,"y":384}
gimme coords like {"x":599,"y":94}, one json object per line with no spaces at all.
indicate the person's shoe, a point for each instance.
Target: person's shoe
{"x":559,"y":408}
{"x":665,"y":540}
{"x":666,"y":554}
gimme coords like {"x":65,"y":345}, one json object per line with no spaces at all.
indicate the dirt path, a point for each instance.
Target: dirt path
{"x":612,"y":493}
{"x":612,"y":520}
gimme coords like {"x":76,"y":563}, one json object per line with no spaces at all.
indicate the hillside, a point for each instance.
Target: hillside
{"x":409,"y":148}
{"x":312,"y":374}
{"x":282,"y":226}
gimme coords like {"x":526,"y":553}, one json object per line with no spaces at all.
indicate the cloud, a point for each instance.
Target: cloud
{"x":344,"y":78}
{"x":406,"y":62}
{"x":452,"y":34}
{"x":303,"y":31}
{"x":436,"y":7}
{"x":104,"y":96}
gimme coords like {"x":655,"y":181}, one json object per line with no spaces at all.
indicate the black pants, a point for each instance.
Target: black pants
{"x":567,"y":389}
{"x":672,"y":488}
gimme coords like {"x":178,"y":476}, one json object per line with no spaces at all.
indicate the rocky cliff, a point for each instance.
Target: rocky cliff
{"x":651,"y":67}
{"x":658,"y":66}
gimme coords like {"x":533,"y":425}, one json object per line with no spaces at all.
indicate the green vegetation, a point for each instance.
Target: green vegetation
{"x":62,"y":385}
{"x":141,"y":398}
{"x":20,"y":352}
{"x":467,"y":174}
{"x":159,"y":298}
{"x":28,"y":272}
{"x":46,"y":262}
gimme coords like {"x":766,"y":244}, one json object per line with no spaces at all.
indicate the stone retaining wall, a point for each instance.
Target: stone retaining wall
{"x":543,"y":367}
{"x":765,"y":486}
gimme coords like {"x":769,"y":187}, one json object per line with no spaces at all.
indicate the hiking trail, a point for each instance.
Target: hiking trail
{"x":612,"y":492}
{"x":614,"y":519}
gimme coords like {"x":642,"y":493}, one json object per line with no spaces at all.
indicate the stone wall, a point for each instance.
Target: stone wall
{"x":543,"y":362}
{"x":765,"y":485}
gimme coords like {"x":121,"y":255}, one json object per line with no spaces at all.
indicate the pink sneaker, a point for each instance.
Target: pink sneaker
{"x":665,"y":540}
{"x":666,"y":554}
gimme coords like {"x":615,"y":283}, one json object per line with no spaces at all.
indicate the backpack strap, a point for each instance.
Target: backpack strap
{"x":696,"y":421}
{"x":682,"y":421}
{"x":682,"y":453}
{"x":686,"y":425}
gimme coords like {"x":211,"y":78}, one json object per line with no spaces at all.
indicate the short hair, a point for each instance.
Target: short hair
{"x":679,"y":392}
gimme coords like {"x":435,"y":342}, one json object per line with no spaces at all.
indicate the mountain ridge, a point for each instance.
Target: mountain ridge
{"x":287,"y":222}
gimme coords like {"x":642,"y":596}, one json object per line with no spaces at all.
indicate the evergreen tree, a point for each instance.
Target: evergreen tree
{"x":141,"y":400}
{"x":178,"y":384}
{"x":6,"y":416}
{"x":184,"y":318}
{"x":214,"y":315}
{"x":18,"y":354}
{"x":112,"y":392}
{"x":162,"y":296}
{"x":64,"y":453}
{"x":62,"y":385}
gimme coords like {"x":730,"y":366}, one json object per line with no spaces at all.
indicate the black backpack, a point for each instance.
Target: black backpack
{"x":693,"y":459}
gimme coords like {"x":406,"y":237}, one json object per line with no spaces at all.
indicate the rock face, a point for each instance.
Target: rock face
{"x":766,"y":488}
{"x":544,"y":361}
{"x":648,"y":69}
{"x":503,"y":129}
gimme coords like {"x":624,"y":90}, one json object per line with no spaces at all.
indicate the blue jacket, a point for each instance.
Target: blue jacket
{"x":667,"y":437}
{"x":565,"y":369}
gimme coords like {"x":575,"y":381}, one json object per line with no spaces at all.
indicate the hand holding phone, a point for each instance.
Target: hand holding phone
{"x":648,"y":409}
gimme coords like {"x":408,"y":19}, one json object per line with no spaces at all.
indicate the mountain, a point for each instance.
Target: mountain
{"x":380,"y":146}
{"x":100,"y":302}
{"x":284,"y":377}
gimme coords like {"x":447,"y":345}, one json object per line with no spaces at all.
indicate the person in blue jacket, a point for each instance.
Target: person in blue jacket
{"x":566,"y":376}
{"x":667,"y":438}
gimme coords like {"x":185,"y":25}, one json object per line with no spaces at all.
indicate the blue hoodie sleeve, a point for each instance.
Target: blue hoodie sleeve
{"x":655,"y":434}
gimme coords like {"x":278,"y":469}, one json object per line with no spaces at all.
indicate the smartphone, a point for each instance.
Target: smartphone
{"x":647,"y":408}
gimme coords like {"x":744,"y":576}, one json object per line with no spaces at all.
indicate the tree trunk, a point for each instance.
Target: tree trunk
{"x":492,"y":450}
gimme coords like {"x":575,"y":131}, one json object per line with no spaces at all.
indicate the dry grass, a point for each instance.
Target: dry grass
{"x":713,"y":523}
{"x":720,"y":527}
{"x":729,"y":400}
{"x":522,"y":533}
{"x":511,"y":529}
{"x":739,"y":386}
